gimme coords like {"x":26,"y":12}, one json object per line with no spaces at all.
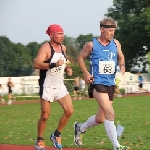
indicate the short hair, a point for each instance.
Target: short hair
{"x":108,"y":21}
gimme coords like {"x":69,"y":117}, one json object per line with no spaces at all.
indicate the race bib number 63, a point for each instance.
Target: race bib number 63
{"x":106,"y":67}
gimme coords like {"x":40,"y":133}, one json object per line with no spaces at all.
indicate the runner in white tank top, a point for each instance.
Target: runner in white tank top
{"x":51,"y":60}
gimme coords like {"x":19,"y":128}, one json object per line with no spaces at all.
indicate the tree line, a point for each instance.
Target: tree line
{"x":133,"y":17}
{"x":133,"y":32}
{"x":17,"y":59}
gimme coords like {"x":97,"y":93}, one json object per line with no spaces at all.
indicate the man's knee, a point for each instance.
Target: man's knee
{"x":69,"y":112}
{"x":45,"y":115}
{"x":100,"y":120}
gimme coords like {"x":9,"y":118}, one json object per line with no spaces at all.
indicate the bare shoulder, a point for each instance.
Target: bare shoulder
{"x":44,"y":47}
{"x":86,"y":51}
{"x":44,"y":52}
{"x":88,"y":45}
{"x":117,"y":43}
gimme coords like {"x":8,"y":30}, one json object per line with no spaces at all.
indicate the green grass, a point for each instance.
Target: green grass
{"x":18,"y":123}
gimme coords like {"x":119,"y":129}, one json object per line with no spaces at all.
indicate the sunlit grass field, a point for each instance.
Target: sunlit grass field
{"x":18,"y":123}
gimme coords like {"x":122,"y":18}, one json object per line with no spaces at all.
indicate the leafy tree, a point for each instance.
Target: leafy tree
{"x":147,"y":14}
{"x":82,"y":39}
{"x":15,"y":59}
{"x":33,"y":49}
{"x":23,"y":60}
{"x":132,"y":17}
{"x":69,"y":42}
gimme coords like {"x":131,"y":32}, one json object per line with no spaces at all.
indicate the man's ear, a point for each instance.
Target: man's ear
{"x":101,"y":29}
{"x":51,"y":35}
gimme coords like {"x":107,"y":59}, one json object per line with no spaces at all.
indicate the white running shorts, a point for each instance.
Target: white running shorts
{"x":51,"y":94}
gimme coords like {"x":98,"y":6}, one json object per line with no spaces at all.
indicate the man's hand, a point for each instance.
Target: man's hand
{"x":60,"y":62}
{"x":122,"y":68}
{"x":88,"y":78}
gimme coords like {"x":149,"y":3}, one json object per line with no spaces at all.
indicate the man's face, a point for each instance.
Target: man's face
{"x":108,"y":33}
{"x":58,"y":37}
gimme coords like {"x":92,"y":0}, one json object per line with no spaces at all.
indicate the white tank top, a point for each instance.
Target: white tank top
{"x":55,"y":76}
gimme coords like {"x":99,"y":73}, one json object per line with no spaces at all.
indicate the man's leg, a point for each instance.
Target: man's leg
{"x":92,"y":121}
{"x":104,"y":102}
{"x":45,"y":111}
{"x":80,"y":93}
{"x":1,"y":99}
{"x":66,"y":103}
{"x":142,"y":90}
{"x":106,"y":105}
{"x":9,"y":98}
{"x":83,"y":92}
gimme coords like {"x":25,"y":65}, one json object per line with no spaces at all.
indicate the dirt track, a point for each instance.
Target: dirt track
{"x":37,"y":101}
{"x":19,"y":147}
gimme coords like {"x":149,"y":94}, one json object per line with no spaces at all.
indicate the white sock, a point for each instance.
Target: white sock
{"x":111,"y":132}
{"x":88,"y":124}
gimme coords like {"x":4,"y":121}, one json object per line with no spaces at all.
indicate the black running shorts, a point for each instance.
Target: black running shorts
{"x":102,"y":89}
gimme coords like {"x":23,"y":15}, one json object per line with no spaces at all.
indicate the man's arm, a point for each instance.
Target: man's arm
{"x":85,"y":52}
{"x":68,"y":68}
{"x":41,"y":57}
{"x":121,"y":59}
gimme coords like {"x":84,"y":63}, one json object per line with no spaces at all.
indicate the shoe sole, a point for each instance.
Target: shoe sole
{"x":54,"y":144}
{"x":75,"y":133}
{"x":37,"y":148}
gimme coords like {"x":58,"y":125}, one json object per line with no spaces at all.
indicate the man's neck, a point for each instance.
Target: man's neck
{"x":54,"y":44}
{"x":103,"y":41}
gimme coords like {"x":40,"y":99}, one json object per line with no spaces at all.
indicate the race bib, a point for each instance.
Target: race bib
{"x":57,"y":70}
{"x":106,"y":67}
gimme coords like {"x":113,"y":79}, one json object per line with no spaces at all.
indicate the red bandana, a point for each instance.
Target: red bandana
{"x":54,"y":28}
